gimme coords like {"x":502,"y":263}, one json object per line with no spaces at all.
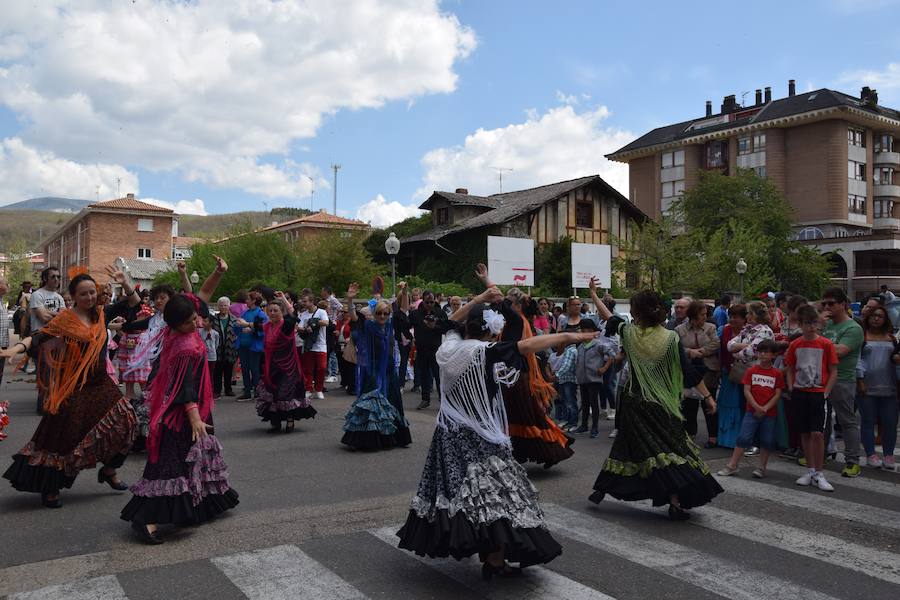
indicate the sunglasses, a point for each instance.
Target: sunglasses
{"x":382,"y":313}
{"x":57,"y":276}
{"x":829,"y":302}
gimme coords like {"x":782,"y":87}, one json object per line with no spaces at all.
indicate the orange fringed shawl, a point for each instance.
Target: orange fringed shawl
{"x":70,"y":366}
{"x":541,"y":391}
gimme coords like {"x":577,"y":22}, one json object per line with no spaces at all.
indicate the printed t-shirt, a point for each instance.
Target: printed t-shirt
{"x":763,"y":383}
{"x":850,"y":334}
{"x":810,"y":360}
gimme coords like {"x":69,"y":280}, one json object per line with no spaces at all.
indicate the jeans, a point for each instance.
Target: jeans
{"x":332,"y":364}
{"x":884,"y":410}
{"x":250,"y":365}
{"x":402,"y":367}
{"x":753,"y":428}
{"x":314,"y":370}
{"x":222,"y":376}
{"x":427,"y":368}
{"x":569,"y":402}
{"x":591,"y":393}
{"x":843,"y":401}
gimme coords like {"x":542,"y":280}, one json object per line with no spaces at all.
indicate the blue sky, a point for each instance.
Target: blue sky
{"x":226,"y":106}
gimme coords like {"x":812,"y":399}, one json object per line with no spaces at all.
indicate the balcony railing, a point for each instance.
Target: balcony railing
{"x":886,"y":158}
{"x":880,"y":272}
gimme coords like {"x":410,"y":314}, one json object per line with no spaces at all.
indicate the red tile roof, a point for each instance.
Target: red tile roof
{"x":320,"y":218}
{"x":130,"y":204}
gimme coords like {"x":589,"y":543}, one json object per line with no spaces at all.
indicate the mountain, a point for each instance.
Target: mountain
{"x":49,"y":203}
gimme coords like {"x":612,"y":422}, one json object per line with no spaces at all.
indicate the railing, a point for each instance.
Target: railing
{"x":880,"y":272}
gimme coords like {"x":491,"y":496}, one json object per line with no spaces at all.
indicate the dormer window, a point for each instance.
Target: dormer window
{"x":443,"y":216}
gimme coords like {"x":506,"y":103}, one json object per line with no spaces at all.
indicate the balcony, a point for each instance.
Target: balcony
{"x":887,"y":158}
{"x":886,"y":223}
{"x":886,"y":191}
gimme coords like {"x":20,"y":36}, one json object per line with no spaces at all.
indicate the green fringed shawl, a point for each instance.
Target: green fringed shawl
{"x":655,"y":364}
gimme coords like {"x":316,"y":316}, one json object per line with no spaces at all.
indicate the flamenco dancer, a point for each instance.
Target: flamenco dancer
{"x":185,"y":480}
{"x":281,"y":396}
{"x":535,"y":436}
{"x":86,"y":419}
{"x":375,"y":420}
{"x":474,"y":497}
{"x":652,"y":455}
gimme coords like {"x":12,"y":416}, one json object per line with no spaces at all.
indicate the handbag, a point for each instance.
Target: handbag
{"x":736,"y":373}
{"x":349,"y":352}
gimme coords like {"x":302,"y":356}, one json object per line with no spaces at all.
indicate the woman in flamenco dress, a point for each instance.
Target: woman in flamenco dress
{"x":474,"y":497}
{"x":281,"y":395}
{"x":375,"y":421}
{"x":652,"y":456}
{"x":535,"y":436}
{"x":86,"y":418}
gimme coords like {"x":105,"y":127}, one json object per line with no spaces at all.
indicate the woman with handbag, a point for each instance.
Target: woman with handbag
{"x":701,"y":345}
{"x":742,"y":348}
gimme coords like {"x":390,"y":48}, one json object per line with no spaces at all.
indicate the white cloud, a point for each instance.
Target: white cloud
{"x":380,"y":213}
{"x":886,"y":80}
{"x":26,"y":172}
{"x":555,"y":146}
{"x":182,"y":207}
{"x":216,"y":91}
{"x":570,"y":99}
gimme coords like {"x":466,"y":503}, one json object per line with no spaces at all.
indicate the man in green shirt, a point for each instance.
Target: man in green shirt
{"x":847,"y":336}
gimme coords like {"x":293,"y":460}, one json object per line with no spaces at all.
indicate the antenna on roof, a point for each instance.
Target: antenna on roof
{"x":500,"y":175}
{"x":744,"y":95}
{"x":118,"y":187}
{"x":335,"y":167}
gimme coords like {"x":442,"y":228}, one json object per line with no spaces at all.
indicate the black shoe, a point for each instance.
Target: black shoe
{"x":488,"y":571}
{"x":229,"y":393}
{"x":55,"y":503}
{"x":676,"y":513}
{"x":275,"y":427}
{"x":423,"y":404}
{"x":119,"y":486}
{"x":289,"y":426}
{"x":147,"y":536}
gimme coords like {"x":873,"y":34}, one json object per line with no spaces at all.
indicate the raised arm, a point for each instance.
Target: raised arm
{"x":183,"y":277}
{"x":489,"y":296}
{"x":481,"y":272}
{"x":604,"y":312}
{"x":351,"y":295}
{"x":212,"y":282}
{"x":403,"y":297}
{"x":122,"y":278}
{"x":287,"y":303}
{"x":542,"y":342}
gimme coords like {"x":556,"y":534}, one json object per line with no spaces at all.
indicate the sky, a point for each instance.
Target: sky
{"x":215,"y":106}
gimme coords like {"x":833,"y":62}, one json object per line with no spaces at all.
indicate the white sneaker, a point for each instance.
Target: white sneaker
{"x":330,"y":379}
{"x":727,"y":471}
{"x":320,"y":396}
{"x":613,"y":434}
{"x":806,"y":478}
{"x":874,"y":462}
{"x":611,"y":415}
{"x":822,"y":483}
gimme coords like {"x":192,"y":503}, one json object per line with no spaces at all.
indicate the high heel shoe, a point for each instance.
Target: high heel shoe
{"x":676,"y":513}
{"x":147,"y":536}
{"x":119,"y":486}
{"x":289,"y":426}
{"x":55,"y":503}
{"x":488,"y":571}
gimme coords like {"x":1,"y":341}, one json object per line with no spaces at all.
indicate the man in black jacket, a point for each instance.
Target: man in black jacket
{"x":428,"y":323}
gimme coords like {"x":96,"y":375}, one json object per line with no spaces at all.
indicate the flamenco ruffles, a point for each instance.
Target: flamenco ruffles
{"x":374,"y":423}
{"x":270,"y":409}
{"x":37,"y":470}
{"x":200,"y":496}
{"x":142,"y":412}
{"x":540,"y":451}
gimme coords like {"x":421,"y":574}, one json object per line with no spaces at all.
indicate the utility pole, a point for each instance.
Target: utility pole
{"x":500,"y":174}
{"x":118,"y":187}
{"x":312,"y":191}
{"x":335,"y":167}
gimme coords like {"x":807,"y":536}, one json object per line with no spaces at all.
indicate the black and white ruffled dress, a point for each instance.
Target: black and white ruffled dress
{"x":474,"y":497}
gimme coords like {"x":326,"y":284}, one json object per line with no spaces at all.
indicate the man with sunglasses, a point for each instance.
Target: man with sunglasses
{"x":847,"y":337}
{"x":46,"y":302}
{"x":426,"y":321}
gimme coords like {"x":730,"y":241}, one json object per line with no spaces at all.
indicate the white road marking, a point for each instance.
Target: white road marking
{"x":707,"y":571}
{"x":862,"y":482}
{"x":284,"y":572}
{"x":536,"y":583}
{"x":97,"y":588}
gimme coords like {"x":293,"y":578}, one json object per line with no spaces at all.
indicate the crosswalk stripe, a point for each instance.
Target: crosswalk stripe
{"x":831,"y":506}
{"x":818,"y":546}
{"x":538,"y":582}
{"x":706,"y":571}
{"x":284,"y":572}
{"x":862,"y":483}
{"x":106,"y":587}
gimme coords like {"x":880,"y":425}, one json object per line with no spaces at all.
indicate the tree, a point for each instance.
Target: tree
{"x":553,"y":268}
{"x":374,"y":244}
{"x":335,"y":259}
{"x":18,"y":262}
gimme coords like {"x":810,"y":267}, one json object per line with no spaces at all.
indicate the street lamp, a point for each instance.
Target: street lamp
{"x":195,"y":278}
{"x":741,"y":268}
{"x":392,"y":247}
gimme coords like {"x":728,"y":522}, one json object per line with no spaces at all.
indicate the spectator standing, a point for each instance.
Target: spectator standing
{"x":239,"y":305}
{"x":4,"y":323}
{"x":701,"y":346}
{"x":847,"y":337}
{"x":251,"y":338}
{"x":720,"y":314}
{"x":45,"y":302}
{"x":680,"y":308}
{"x":594,"y":359}
{"x":210,"y":339}
{"x":313,"y":324}
{"x":542,"y":319}
{"x":334,"y":307}
{"x":224,"y":323}
{"x":570,"y":321}
{"x":426,"y":321}
{"x":887,"y":294}
{"x":730,"y":393}
{"x":564,"y":371}
{"x":877,"y":387}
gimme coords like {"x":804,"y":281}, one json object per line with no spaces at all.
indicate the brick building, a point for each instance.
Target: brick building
{"x":105,"y":231}
{"x":314,"y":225}
{"x":832,"y":155}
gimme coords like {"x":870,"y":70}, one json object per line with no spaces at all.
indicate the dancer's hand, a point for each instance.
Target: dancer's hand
{"x":481,"y":271}
{"x":199,"y":430}
{"x":221,"y":265}
{"x":711,"y":407}
{"x":182,"y":266}
{"x":116,"y":324}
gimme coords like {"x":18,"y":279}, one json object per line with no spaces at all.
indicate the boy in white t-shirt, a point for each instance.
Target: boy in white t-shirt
{"x":312,"y":326}
{"x":210,"y":338}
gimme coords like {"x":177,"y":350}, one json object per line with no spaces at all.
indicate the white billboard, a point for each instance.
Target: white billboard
{"x":511,"y":260}
{"x":591,"y":260}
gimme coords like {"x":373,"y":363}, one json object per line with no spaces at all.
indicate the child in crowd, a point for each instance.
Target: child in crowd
{"x":763,"y":384}
{"x":594,"y":359}
{"x":811,"y":374}
{"x":211,"y":338}
{"x":563,"y":364}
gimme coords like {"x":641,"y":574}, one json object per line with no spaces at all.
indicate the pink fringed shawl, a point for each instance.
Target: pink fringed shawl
{"x":280,"y":352}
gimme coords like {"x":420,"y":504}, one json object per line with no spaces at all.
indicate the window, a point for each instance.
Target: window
{"x":716,"y":155}
{"x":856,"y":204}
{"x":668,"y":190}
{"x":856,"y":137}
{"x":678,"y":158}
{"x":145,"y":253}
{"x":744,"y":146}
{"x":810,"y":233}
{"x":759,"y":142}
{"x":760,"y":171}
{"x":443,"y":216}
{"x":884,"y":143}
{"x":884,"y":209}
{"x":678,"y":187}
{"x":856,"y":170}
{"x":145,"y":224}
{"x":672,"y":159}
{"x":884,"y":176}
{"x":667,"y":160}
{"x":584,"y":215}
{"x":841,"y":232}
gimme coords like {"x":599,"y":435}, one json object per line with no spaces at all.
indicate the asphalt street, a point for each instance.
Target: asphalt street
{"x":317,"y":521}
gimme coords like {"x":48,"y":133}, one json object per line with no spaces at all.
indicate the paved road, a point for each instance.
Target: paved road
{"x":317,"y":521}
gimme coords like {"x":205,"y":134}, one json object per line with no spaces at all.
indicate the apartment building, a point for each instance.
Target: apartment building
{"x":316,"y":224}
{"x":105,"y":231}
{"x":832,"y":155}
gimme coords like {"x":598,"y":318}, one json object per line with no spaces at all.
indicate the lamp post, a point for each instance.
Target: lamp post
{"x":741,"y":268}
{"x":392,"y":247}
{"x":195,"y":278}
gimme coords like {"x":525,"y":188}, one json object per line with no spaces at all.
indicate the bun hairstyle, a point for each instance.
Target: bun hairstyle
{"x":649,"y":308}
{"x":476,"y":326}
{"x":178,"y":310}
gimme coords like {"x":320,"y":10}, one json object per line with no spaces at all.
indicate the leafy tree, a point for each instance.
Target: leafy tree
{"x":18,"y":265}
{"x":335,"y":259}
{"x":374,"y":244}
{"x":553,"y":268}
